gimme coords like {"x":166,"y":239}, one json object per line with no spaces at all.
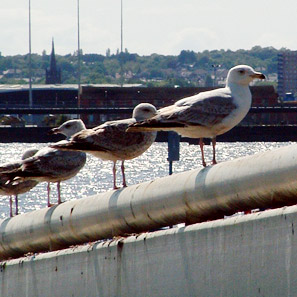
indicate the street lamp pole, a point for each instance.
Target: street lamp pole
{"x":30,"y":61}
{"x":121,"y":53}
{"x":121,"y":26}
{"x":215,"y":67}
{"x":78,"y":56}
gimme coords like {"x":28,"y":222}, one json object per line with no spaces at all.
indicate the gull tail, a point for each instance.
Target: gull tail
{"x":75,"y":146}
{"x":68,"y":146}
{"x":142,"y":129}
{"x":9,"y":176}
{"x":151,"y":125}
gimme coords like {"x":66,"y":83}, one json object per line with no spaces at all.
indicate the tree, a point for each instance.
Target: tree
{"x":188,"y":66}
{"x":187,"y":57}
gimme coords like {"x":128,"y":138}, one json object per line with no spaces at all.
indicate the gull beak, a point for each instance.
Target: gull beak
{"x":258,"y":75}
{"x":54,"y":131}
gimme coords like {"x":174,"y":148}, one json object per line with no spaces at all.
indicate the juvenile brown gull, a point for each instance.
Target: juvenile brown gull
{"x":12,"y":188}
{"x":209,"y":113}
{"x":110,"y":141}
{"x":53,"y":165}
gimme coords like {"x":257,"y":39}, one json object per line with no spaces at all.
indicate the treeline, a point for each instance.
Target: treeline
{"x":189,"y":68}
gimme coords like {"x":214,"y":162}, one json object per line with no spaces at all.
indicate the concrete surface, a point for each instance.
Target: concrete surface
{"x":264,"y":180}
{"x":249,"y":255}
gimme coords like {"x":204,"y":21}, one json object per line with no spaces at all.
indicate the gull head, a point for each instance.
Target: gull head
{"x":69,"y":128}
{"x":144,"y":111}
{"x":243,"y":75}
{"x":29,"y":153}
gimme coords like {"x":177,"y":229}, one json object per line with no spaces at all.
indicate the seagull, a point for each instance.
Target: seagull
{"x":110,"y":141}
{"x":10,"y":166}
{"x":209,"y":113}
{"x":53,"y":165}
{"x":15,"y":188}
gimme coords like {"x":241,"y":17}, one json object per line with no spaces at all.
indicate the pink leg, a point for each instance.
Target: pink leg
{"x":48,"y":195}
{"x":16,"y":205}
{"x":59,"y":192}
{"x":202,"y":151}
{"x":10,"y":205}
{"x":114,"y":172}
{"x":123,"y":174}
{"x":214,"y":161}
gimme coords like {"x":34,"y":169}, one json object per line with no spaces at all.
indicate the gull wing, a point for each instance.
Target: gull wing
{"x":205,"y":109}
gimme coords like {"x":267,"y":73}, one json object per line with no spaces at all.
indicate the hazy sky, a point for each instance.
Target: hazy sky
{"x":155,"y":26}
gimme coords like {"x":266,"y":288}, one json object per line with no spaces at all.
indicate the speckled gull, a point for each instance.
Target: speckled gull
{"x":110,"y":141}
{"x":11,"y":188}
{"x":53,"y":165}
{"x":209,"y":113}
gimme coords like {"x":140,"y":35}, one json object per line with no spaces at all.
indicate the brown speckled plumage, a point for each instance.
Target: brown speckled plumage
{"x":111,"y":141}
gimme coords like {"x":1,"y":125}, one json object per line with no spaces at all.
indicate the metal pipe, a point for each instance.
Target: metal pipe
{"x":265,"y":180}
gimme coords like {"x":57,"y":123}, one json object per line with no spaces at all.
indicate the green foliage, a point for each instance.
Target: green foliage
{"x":187,"y":69}
{"x":187,"y":57}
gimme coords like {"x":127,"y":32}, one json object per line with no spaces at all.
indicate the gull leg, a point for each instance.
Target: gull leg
{"x":10,"y":206}
{"x":48,"y":194}
{"x":213,"y":141}
{"x":59,"y":192}
{"x":114,"y":171}
{"x":201,"y":144}
{"x":123,"y":174}
{"x":16,"y":205}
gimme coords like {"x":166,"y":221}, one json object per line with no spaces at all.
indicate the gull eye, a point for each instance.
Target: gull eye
{"x":67,"y":126}
{"x":241,"y":71}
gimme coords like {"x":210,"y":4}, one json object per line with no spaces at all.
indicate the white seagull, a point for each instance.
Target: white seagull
{"x":110,"y":141}
{"x":209,"y":113}
{"x":53,"y":165}
{"x":11,"y":188}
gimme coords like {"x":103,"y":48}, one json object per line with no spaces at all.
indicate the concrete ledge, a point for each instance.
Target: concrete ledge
{"x":264,"y":180}
{"x":250,"y":255}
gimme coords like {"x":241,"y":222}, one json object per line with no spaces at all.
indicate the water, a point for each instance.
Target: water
{"x":96,"y":176}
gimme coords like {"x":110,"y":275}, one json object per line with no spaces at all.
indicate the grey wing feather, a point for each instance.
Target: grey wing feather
{"x":54,"y":163}
{"x":110,"y":136}
{"x":6,"y":167}
{"x":205,"y":112}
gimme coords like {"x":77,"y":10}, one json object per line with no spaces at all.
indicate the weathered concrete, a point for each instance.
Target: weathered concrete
{"x":251,"y":255}
{"x":264,"y":180}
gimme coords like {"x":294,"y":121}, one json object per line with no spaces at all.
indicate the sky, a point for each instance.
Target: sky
{"x":156,"y":26}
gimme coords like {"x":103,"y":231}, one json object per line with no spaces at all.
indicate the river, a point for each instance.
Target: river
{"x":96,"y":176}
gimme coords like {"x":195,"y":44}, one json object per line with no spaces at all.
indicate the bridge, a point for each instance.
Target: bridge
{"x":118,"y":110}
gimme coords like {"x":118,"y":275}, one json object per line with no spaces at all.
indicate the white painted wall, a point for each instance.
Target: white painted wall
{"x":251,"y":255}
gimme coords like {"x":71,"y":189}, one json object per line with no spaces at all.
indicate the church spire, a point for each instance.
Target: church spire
{"x":53,"y":57}
{"x":53,"y":74}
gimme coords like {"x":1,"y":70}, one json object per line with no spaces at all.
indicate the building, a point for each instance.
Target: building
{"x":287,"y":73}
{"x":44,"y":96}
{"x":115,"y":97}
{"x":53,"y":74}
{"x":126,"y":98}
